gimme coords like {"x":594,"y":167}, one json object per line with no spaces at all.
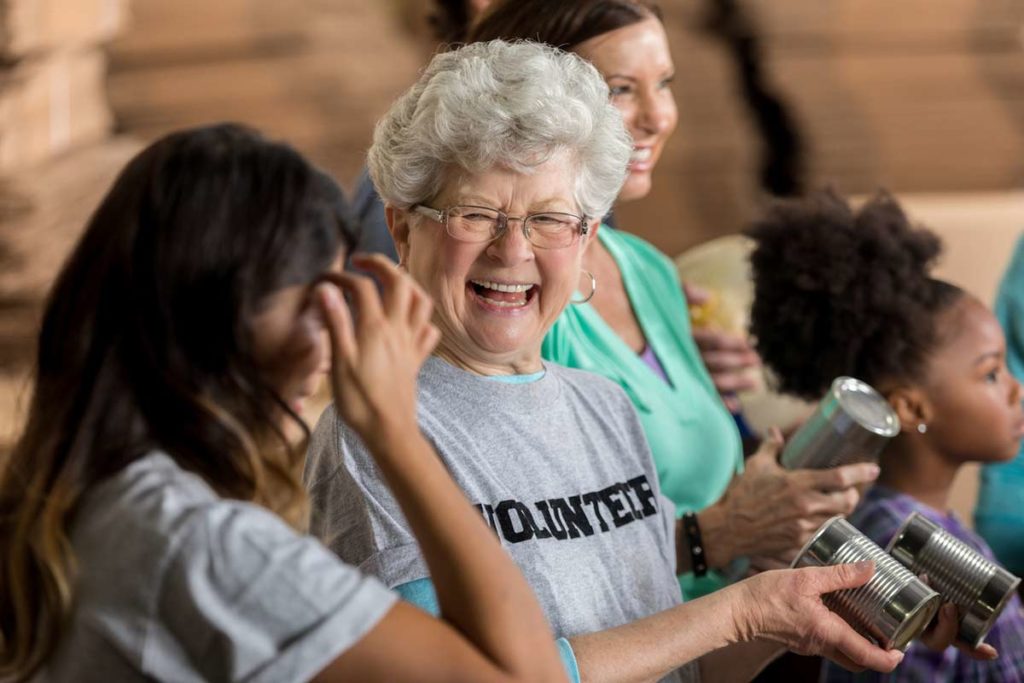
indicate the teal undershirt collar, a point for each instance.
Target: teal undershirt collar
{"x":516,"y":379}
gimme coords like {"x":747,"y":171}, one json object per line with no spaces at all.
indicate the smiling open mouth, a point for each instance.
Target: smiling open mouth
{"x":640,"y":155}
{"x":504,"y":295}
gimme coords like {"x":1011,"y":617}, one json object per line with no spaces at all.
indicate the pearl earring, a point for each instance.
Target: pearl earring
{"x":922,"y":428}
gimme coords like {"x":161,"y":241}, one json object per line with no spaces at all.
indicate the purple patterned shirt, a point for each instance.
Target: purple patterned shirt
{"x":879,"y":516}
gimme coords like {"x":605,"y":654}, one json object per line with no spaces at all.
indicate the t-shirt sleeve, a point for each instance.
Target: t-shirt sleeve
{"x":352,"y":511}
{"x":246,"y":598}
{"x":422,"y":594}
{"x":669,"y":518}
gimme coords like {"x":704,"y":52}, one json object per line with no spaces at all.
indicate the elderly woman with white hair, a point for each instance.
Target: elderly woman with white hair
{"x":496,"y":167}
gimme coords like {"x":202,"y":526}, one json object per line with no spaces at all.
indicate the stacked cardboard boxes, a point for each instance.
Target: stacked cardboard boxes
{"x":317,"y":73}
{"x":57,"y":158}
{"x":50,"y":106}
{"x":52,"y":89}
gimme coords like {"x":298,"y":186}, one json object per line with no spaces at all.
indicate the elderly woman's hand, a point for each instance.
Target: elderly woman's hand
{"x":785,"y":607}
{"x":770,"y":511}
{"x":377,"y":353}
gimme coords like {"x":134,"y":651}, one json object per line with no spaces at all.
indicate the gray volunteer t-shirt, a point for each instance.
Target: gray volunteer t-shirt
{"x":558,"y":467}
{"x":176,"y":583}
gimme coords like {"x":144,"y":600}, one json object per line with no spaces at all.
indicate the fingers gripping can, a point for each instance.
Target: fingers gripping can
{"x":852,"y":423}
{"x":977,"y":586}
{"x":893,"y":607}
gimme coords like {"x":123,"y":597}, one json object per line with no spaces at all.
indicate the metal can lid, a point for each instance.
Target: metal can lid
{"x":823,"y":544}
{"x":981,"y":615}
{"x":866,"y":406}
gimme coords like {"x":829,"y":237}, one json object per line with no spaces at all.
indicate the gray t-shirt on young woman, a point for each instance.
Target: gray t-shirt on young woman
{"x":175,"y":583}
{"x":558,"y":467}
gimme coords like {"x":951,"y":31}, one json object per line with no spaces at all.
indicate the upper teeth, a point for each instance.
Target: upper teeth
{"x":642,"y":154}
{"x":500,"y":287}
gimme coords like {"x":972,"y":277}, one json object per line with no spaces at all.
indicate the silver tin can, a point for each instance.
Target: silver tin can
{"x":852,"y":423}
{"x":893,"y":607}
{"x":977,"y":586}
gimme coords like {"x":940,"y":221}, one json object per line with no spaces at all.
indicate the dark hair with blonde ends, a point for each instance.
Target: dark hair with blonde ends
{"x":145,"y":346}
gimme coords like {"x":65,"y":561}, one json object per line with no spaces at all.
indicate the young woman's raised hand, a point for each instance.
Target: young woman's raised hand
{"x":378,"y":343}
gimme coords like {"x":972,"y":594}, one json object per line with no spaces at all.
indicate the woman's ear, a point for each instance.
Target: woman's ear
{"x":912,"y":406}
{"x":592,"y":227}
{"x":398,"y":226}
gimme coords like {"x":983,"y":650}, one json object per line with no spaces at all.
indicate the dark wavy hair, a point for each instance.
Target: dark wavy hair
{"x":145,"y":345}
{"x":560,"y":23}
{"x":449,"y":20}
{"x":844,"y":292}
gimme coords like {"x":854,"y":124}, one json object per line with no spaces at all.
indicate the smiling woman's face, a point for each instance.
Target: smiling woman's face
{"x":484,"y":328}
{"x":636,"y":63}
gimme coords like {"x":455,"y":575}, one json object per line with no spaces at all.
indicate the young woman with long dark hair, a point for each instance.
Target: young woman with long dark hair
{"x":151,"y":513}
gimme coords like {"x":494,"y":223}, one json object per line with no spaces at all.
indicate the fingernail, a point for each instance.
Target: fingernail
{"x":873,"y":471}
{"x":328,"y":295}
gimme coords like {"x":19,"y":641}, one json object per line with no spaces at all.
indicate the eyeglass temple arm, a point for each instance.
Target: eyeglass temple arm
{"x":433,"y":214}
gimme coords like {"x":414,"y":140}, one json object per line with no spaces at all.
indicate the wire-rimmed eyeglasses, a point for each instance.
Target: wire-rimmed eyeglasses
{"x":545,"y":230}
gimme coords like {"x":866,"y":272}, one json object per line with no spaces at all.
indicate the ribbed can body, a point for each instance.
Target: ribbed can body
{"x":852,"y":423}
{"x":893,"y":607}
{"x":977,"y":586}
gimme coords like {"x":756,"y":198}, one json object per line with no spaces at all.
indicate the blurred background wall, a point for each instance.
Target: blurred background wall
{"x":923,"y":97}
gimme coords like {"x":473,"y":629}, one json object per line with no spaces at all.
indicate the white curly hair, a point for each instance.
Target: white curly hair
{"x":501,"y":104}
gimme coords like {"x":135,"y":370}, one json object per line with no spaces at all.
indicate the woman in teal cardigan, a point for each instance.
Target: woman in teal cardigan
{"x":634,"y":327}
{"x":678,"y":405}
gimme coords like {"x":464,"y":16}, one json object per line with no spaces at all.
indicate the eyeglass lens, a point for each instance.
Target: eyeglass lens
{"x":546,"y":230}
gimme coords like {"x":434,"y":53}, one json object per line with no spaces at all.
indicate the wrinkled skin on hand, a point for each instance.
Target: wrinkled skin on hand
{"x":771,"y":512}
{"x":786,"y":607}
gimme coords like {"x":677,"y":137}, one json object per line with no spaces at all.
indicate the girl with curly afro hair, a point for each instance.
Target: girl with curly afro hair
{"x":840,"y":291}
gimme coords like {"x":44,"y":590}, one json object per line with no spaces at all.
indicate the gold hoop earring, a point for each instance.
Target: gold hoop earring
{"x":593,"y":289}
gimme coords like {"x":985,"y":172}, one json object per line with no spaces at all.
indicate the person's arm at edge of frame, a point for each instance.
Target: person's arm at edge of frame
{"x":492,"y":628}
{"x":734,"y":632}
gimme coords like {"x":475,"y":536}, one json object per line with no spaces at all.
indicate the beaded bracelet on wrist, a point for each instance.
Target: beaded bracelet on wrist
{"x":698,"y":558}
